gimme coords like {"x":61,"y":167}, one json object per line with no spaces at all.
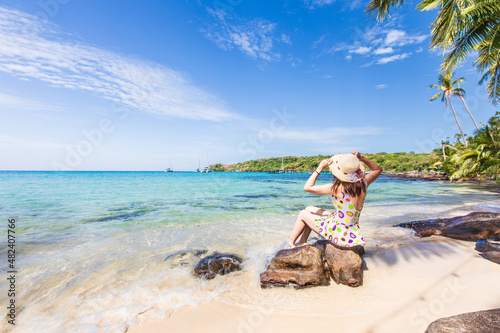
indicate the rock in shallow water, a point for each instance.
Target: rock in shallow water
{"x":217,"y":263}
{"x":344,"y":263}
{"x":312,"y":265}
{"x":491,"y":251}
{"x":472,"y":322}
{"x":299,"y":267}
{"x":471,"y":227}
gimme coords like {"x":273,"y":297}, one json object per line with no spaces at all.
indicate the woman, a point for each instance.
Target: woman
{"x":348,"y":196}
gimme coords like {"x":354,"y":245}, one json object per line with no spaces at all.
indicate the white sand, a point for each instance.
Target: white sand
{"x":404,"y":290}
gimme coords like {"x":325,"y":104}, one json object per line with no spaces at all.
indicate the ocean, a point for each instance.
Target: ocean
{"x":102,"y":251}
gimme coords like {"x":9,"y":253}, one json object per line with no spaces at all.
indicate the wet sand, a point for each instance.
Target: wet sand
{"x":404,"y":290}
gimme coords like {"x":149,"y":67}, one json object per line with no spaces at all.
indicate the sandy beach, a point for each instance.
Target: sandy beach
{"x":405,"y":289}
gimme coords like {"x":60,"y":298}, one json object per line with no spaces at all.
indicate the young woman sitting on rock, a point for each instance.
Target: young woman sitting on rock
{"x":348,"y":194}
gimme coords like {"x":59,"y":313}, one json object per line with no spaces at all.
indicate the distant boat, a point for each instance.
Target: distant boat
{"x":170,"y":169}
{"x":207,"y":168}
{"x":309,"y":172}
{"x":199,"y":165}
{"x":282,"y":167}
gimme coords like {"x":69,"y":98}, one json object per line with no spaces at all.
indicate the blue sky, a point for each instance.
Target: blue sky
{"x":129,"y":85}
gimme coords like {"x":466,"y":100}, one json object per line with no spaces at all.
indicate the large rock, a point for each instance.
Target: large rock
{"x":471,"y":227}
{"x":491,"y":251}
{"x":344,"y":263}
{"x":472,"y":322}
{"x":217,"y":263}
{"x":299,"y":267}
{"x":313,"y":265}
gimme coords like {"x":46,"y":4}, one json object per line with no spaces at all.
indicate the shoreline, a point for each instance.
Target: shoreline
{"x":405,"y":288}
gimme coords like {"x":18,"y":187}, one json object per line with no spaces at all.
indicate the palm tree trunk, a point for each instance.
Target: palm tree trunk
{"x":456,"y":119}
{"x":470,"y":114}
{"x":442,"y":147}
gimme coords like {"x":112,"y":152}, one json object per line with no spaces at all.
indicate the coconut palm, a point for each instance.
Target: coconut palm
{"x":461,"y":27}
{"x":448,"y":90}
{"x":460,"y":94}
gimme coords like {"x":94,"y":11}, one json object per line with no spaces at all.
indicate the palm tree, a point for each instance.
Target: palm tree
{"x":448,"y":90}
{"x":460,"y":94}
{"x":461,"y":27}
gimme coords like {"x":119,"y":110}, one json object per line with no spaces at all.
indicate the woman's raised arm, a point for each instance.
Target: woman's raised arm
{"x":375,"y":169}
{"x":318,"y":189}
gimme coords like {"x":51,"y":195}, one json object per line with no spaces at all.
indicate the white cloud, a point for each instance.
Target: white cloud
{"x":255,"y":38}
{"x":15,"y":143}
{"x":383,"y":50}
{"x":286,"y":39}
{"x":12,"y":102}
{"x":419,"y":50}
{"x":381,"y":86}
{"x":361,"y":50}
{"x":395,"y":57}
{"x":377,"y":41}
{"x":317,"y":3}
{"x":400,"y":38}
{"x":31,"y":48}
{"x":332,"y":135}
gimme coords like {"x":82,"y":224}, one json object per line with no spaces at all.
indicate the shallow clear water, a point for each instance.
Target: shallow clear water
{"x":100,"y":251}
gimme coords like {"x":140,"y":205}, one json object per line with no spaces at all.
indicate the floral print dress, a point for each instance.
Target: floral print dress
{"x":341,"y":227}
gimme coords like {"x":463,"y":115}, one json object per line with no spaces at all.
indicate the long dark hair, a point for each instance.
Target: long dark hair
{"x":353,"y":189}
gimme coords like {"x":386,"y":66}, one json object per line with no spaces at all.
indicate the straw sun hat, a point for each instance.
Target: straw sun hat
{"x":347,"y":168}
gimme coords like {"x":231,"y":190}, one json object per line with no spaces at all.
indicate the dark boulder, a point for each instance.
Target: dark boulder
{"x":344,"y":263}
{"x":299,"y":267}
{"x":472,"y":322}
{"x":491,"y":251}
{"x":217,"y":263}
{"x":313,"y":265}
{"x":471,"y":227}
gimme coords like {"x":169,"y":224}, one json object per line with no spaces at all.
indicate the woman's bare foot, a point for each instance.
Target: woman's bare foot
{"x":292,"y":245}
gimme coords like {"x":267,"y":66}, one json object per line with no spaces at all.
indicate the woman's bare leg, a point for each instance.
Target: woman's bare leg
{"x":307,"y":231}
{"x":305,"y":223}
{"x":305,"y":235}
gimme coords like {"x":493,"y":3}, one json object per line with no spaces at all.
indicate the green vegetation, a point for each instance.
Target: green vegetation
{"x":479,"y":160}
{"x":388,"y":161}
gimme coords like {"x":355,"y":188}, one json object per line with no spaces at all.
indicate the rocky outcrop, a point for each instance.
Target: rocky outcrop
{"x":217,"y":263}
{"x":343,"y":263}
{"x":313,"y":265}
{"x":471,"y":227}
{"x":428,"y":176}
{"x":472,"y":322}
{"x":299,"y":267}
{"x":490,"y":251}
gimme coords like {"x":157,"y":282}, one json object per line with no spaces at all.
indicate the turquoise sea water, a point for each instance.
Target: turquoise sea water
{"x":100,"y":251}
